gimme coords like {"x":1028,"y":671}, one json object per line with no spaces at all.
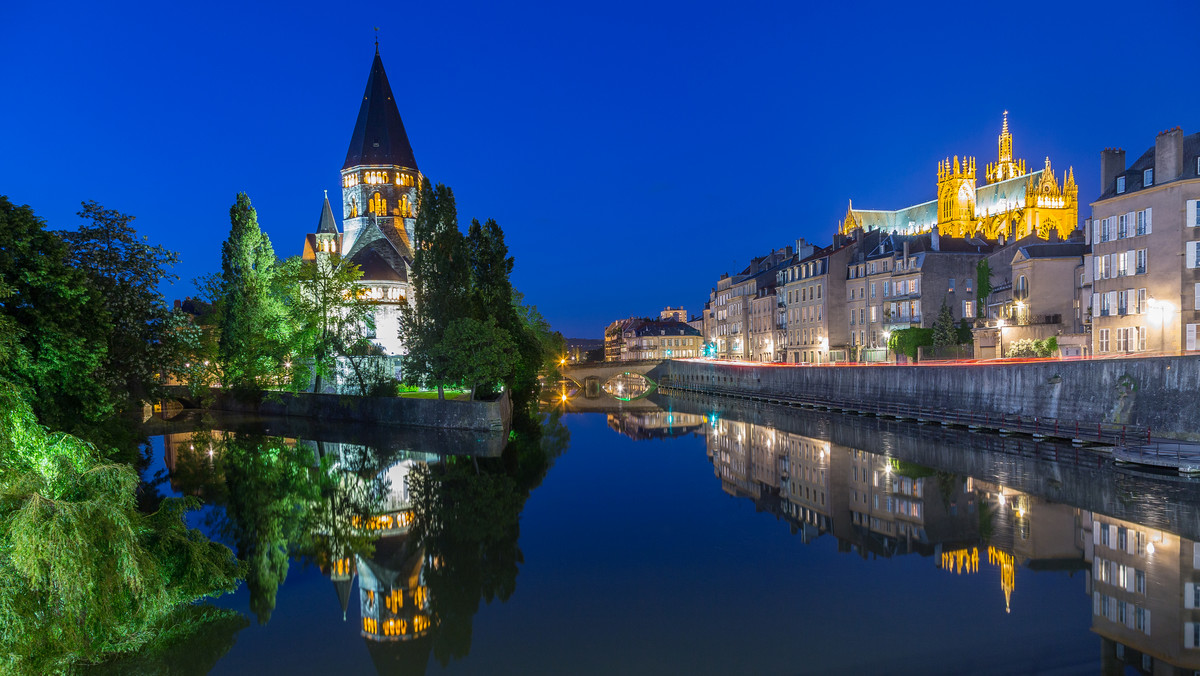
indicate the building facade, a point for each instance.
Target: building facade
{"x":1145,"y":234}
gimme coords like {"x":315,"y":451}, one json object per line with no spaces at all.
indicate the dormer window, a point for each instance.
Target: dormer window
{"x":1120,"y":184}
{"x":1148,"y":177}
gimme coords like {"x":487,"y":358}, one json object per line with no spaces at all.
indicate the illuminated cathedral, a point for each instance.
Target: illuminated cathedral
{"x":380,"y":184}
{"x":1012,"y":203}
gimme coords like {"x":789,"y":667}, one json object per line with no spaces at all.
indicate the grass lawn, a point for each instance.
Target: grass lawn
{"x":450,"y":394}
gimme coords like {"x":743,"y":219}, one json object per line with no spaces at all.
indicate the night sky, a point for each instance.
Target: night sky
{"x":632,"y":152}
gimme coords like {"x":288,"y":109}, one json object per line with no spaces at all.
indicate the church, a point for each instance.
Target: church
{"x":380,"y":185}
{"x":1013,"y":203}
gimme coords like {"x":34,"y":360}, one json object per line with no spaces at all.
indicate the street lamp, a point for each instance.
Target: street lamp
{"x":887,"y":348}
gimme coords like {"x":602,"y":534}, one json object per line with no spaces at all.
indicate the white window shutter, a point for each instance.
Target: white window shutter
{"x":1130,"y":262}
{"x":1096,"y":534}
{"x":1197,"y":296}
{"x":1130,"y":224}
{"x":1190,"y":250}
{"x":1096,"y":313}
{"x":1195,"y":548}
{"x":1096,"y":603}
{"x":1130,"y":615}
{"x":1129,"y":578}
{"x":1189,"y":595}
{"x":1191,"y":337}
{"x":1148,"y":228}
{"x":1191,"y":213}
{"x":1112,"y":309}
{"x":1095,"y":230}
{"x":1095,"y":267}
{"x":1147,"y":629}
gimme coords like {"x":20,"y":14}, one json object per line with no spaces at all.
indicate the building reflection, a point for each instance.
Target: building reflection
{"x":656,"y":424}
{"x":1143,"y":582}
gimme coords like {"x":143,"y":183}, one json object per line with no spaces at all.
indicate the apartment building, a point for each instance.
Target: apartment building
{"x":1145,"y":235}
{"x":731,"y":305}
{"x":814,"y":318}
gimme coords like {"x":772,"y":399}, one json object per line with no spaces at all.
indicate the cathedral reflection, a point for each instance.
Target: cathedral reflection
{"x":1143,"y":581}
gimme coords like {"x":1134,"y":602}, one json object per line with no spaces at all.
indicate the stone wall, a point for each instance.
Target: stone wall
{"x":466,"y":415}
{"x":1161,"y":393}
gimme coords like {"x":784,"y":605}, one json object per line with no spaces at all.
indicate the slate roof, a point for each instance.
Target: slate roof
{"x":665,"y":328}
{"x":378,"y":258}
{"x":1055,"y":250}
{"x":1135,"y":174}
{"x":327,"y":226}
{"x":379,"y":137}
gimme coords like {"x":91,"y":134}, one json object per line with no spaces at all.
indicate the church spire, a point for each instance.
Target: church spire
{"x":1005,"y":167}
{"x":379,"y":138}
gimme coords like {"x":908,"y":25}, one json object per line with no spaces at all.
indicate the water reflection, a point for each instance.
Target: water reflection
{"x":409,"y":533}
{"x":973,"y":505}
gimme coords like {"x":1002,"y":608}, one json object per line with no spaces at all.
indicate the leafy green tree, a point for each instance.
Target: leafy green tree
{"x":83,"y":573}
{"x":125,"y":272}
{"x":439,"y":287}
{"x":983,"y":286}
{"x":909,"y":341}
{"x":253,"y":332}
{"x":491,"y":292}
{"x":945,"y":333}
{"x":330,"y":313}
{"x":55,"y":343}
{"x":270,"y":491}
{"x":477,"y":352}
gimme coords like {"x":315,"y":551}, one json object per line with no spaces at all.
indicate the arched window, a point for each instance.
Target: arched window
{"x":378,"y":205}
{"x":353,"y":208}
{"x":404,"y":206}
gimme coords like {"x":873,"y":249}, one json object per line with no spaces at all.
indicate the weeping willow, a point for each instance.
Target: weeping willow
{"x":83,"y":574}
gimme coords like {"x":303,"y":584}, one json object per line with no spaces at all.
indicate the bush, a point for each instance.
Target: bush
{"x":1033,"y":348}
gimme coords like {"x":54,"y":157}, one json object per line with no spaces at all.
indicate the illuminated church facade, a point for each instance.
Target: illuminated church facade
{"x":380,"y":185}
{"x":1012,"y":203}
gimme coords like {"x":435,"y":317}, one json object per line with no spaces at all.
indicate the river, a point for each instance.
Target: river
{"x":685,"y":535}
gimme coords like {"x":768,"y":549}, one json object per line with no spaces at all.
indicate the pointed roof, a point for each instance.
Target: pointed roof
{"x":327,"y":226}
{"x":377,"y":256}
{"x":379,"y":136}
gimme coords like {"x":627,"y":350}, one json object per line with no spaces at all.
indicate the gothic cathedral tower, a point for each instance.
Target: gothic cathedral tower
{"x":380,"y":179}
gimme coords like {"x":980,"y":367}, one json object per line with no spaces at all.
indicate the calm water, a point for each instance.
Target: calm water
{"x":687,"y":536}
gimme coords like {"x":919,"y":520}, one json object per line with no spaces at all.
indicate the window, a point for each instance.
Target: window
{"x":951,"y":285}
{"x":1140,"y":268}
{"x":1143,"y":222}
{"x":1104,"y":348}
{"x":1148,"y":177}
{"x":1140,"y":581}
{"x":1122,"y":343}
{"x":1141,"y":339}
{"x":1193,"y":214}
{"x":378,"y":205}
{"x":967,"y":284}
{"x":1140,"y":306}
{"x":968,"y":309}
{"x":1120,"y":184}
{"x":1122,"y":227}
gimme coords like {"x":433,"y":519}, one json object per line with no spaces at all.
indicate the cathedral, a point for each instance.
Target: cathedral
{"x":380,"y":184}
{"x":1011,"y":204}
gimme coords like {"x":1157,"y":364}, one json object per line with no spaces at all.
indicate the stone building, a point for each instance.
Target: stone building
{"x":380,"y":183}
{"x":1145,"y":235}
{"x":1014,"y":203}
{"x":662,"y":339}
{"x":1036,"y":293}
{"x":731,"y":306}
{"x":676,"y":313}
{"x":815,"y":319}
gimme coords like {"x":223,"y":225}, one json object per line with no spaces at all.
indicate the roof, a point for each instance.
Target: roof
{"x":665,"y":328}
{"x":379,"y":137}
{"x":912,"y":219}
{"x":378,"y":258}
{"x":1004,"y":196}
{"x":1135,"y":174}
{"x":1055,"y":250}
{"x":327,"y":226}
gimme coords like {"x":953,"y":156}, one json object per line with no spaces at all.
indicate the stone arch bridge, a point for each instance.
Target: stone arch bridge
{"x":591,"y":376}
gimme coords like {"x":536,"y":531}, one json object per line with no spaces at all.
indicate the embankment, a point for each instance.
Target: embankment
{"x":1160,"y":393}
{"x":460,"y":415}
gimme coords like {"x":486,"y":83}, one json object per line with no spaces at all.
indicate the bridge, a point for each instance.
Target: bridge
{"x":591,"y":376}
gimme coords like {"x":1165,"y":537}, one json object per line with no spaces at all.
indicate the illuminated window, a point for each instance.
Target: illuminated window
{"x":353,"y":208}
{"x":378,"y":205}
{"x":404,"y":210}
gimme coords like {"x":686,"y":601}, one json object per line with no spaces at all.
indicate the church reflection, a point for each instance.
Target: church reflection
{"x":374,"y":518}
{"x":1142,"y":581}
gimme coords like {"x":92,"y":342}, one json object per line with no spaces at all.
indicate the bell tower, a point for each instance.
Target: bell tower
{"x":956,"y":198}
{"x":380,"y":179}
{"x":1005,"y":167}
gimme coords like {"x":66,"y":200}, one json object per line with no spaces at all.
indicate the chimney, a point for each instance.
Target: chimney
{"x":906,"y":253}
{"x":1112,"y":163}
{"x":1168,"y":155}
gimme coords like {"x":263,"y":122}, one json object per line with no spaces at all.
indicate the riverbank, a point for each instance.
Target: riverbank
{"x":492,"y":416}
{"x":1158,"y":394}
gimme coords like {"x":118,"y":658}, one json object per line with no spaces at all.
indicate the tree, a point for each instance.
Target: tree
{"x":477,"y":352}
{"x":983,"y":286}
{"x":909,"y":341}
{"x":55,"y":350}
{"x":945,"y":333}
{"x":491,"y":292}
{"x":253,"y":333}
{"x":83,"y":573}
{"x":330,"y":312}
{"x":439,"y":285}
{"x":125,"y":272}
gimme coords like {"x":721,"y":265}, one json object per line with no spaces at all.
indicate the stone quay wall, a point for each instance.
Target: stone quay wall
{"x":464,"y":415}
{"x":1159,"y":393}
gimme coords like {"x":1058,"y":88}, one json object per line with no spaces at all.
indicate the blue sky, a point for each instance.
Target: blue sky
{"x":632,"y":152}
